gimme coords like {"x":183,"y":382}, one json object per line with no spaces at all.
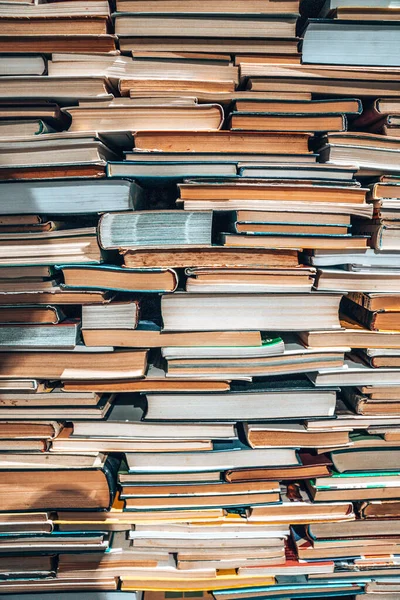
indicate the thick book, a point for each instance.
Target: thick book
{"x":271,"y":401}
{"x":68,"y":197}
{"x":224,"y":141}
{"x":198,"y":117}
{"x":146,"y":229}
{"x":267,"y":312}
{"x":129,"y":364}
{"x":64,"y":335}
{"x":112,"y":277}
{"x":58,"y":481}
{"x":338,"y":42}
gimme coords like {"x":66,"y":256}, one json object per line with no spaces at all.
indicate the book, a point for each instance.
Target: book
{"x":87,"y":24}
{"x":25,"y":336}
{"x":169,"y":170}
{"x":190,"y":26}
{"x":272,"y":401}
{"x":148,"y":334}
{"x":352,"y":334}
{"x":146,"y":229}
{"x":43,"y":479}
{"x":69,"y":197}
{"x":79,"y":365}
{"x":136,"y":6}
{"x":343,"y":42}
{"x":370,"y":81}
{"x":49,"y":247}
{"x":381,"y":320}
{"x":58,"y":43}
{"x":54,"y":88}
{"x":293,"y":359}
{"x":213,"y":256}
{"x":22,"y":65}
{"x":116,"y":315}
{"x":311,"y":466}
{"x":112,"y":277}
{"x":354,"y":372}
{"x":48,"y":150}
{"x":113,"y":118}
{"x":271,"y":190}
{"x":249,"y":280}
{"x":34,"y":315}
{"x":261,"y":435}
{"x":330,"y":279}
{"x":202,"y":312}
{"x":217,"y":460}
{"x":249,"y":142}
{"x":260,"y":121}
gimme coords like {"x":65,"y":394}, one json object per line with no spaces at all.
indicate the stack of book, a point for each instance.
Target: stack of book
{"x":199,"y":299}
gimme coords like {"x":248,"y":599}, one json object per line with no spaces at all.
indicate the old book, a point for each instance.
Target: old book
{"x":22,"y":65}
{"x":148,"y":334}
{"x":112,"y":277}
{"x":249,"y":280}
{"x":116,"y":315}
{"x":320,"y":242}
{"x":197,"y":117}
{"x":66,"y":443}
{"x":69,"y":197}
{"x":28,"y":336}
{"x":54,"y":482}
{"x":375,"y":509}
{"x":89,"y":171}
{"x":210,"y":461}
{"x":213,"y":257}
{"x":332,"y":41}
{"x":311,"y":466}
{"x":189,"y":26}
{"x":69,"y":8}
{"x":376,"y":301}
{"x":355,"y":372}
{"x":135,"y":43}
{"x":55,"y":295}
{"x":297,"y":508}
{"x":201,"y":312}
{"x":146,"y":229}
{"x":224,"y":141}
{"x":50,"y":248}
{"x":155,"y":70}
{"x":59,"y":365}
{"x":281,"y":191}
{"x":257,"y":7}
{"x":329,"y":279}
{"x":30,"y":522}
{"x":261,"y":362}
{"x":54,"y":88}
{"x":48,"y":150}
{"x":35,"y":315}
{"x":272,"y":401}
{"x":292,"y":435}
{"x":38,"y":24}
{"x":48,"y":44}
{"x":142,"y":171}
{"x":153,"y":382}
{"x":258,"y":121}
{"x":352,"y":334}
{"x":349,"y":106}
{"x":379,"y":320}
{"x":263,"y":167}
